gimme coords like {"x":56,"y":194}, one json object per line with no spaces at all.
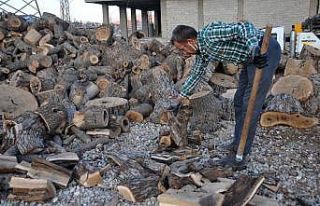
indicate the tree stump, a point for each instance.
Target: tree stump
{"x":284,"y":109}
{"x":297,"y":86}
{"x":207,"y":112}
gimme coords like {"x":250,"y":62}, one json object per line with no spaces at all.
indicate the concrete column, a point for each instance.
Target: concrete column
{"x":133,"y":19}
{"x":313,"y":8}
{"x":105,"y":12}
{"x":123,"y":21}
{"x":157,"y":22}
{"x":144,"y":14}
{"x":200,"y":14}
{"x":240,"y":13}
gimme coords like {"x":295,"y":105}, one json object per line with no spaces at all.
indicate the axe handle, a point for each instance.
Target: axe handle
{"x":253,"y":95}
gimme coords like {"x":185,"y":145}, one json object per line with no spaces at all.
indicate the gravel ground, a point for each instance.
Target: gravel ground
{"x":285,"y":155}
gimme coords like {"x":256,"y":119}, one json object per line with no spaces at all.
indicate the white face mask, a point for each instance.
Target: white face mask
{"x":193,"y":46}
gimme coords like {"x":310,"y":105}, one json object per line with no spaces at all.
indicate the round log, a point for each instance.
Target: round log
{"x":299,"y":87}
{"x":113,"y":105}
{"x":222,"y":82}
{"x":91,"y":118}
{"x":140,"y":112}
{"x":104,"y":33}
{"x":300,"y":67}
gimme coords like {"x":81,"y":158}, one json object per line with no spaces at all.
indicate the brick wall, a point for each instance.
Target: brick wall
{"x":220,"y":10}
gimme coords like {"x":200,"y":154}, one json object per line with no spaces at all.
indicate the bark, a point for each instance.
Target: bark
{"x":91,"y":118}
{"x":140,"y":112}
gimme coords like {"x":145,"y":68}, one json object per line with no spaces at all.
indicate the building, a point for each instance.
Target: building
{"x":197,"y":13}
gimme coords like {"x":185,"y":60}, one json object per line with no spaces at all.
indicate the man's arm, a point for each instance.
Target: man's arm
{"x":198,"y":69}
{"x":244,"y":31}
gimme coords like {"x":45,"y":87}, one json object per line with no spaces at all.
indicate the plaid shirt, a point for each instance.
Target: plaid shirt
{"x":222,"y":42}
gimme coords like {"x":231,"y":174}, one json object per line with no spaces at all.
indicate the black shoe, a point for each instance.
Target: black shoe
{"x":230,"y":161}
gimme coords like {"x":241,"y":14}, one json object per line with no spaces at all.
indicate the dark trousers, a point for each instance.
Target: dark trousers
{"x":244,"y":90}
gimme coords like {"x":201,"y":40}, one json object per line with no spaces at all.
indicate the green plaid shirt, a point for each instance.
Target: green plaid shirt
{"x":222,"y":42}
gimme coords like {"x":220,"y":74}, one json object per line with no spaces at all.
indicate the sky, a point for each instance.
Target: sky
{"x":79,"y":10}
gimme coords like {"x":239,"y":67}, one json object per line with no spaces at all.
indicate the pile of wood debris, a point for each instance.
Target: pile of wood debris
{"x":59,"y":84}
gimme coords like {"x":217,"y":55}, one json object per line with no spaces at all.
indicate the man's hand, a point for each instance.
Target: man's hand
{"x":260,"y":61}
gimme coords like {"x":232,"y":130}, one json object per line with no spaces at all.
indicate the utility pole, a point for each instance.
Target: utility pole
{"x":65,"y":10}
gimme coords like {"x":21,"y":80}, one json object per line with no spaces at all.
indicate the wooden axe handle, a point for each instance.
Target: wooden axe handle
{"x":253,"y":95}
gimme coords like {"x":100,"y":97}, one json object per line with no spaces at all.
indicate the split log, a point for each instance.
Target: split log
{"x":32,"y":37}
{"x":112,"y":89}
{"x":300,"y":67}
{"x":80,"y":134}
{"x":230,"y":69}
{"x":22,"y":46}
{"x":242,"y":191}
{"x":222,"y":82}
{"x":86,"y":177}
{"x":31,"y":189}
{"x":284,"y":109}
{"x":38,"y":61}
{"x":45,"y":39}
{"x":35,"y":85}
{"x":212,"y":173}
{"x":20,"y":79}
{"x":140,"y":112}
{"x":104,"y":33}
{"x":16,"y":101}
{"x":138,"y":190}
{"x":207,"y":112}
{"x":299,"y":87}
{"x":64,"y":159}
{"x":8,"y":164}
{"x":174,"y":66}
{"x":42,"y":169}
{"x":91,"y":118}
{"x":27,"y":132}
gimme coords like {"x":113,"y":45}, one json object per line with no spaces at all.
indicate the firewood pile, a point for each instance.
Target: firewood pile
{"x":60,"y":84}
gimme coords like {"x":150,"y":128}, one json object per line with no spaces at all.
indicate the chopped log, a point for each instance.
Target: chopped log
{"x":54,"y":116}
{"x":140,"y":112}
{"x":42,"y":169}
{"x":16,"y":101}
{"x":50,"y":21}
{"x":142,"y":62}
{"x":91,"y":118}
{"x":284,"y":109}
{"x":242,"y":191}
{"x":38,"y":61}
{"x":85,"y":60}
{"x":48,"y":78}
{"x":87,"y":178}
{"x":113,"y":105}
{"x":27,"y":131}
{"x":22,"y":46}
{"x":176,"y":182}
{"x":118,"y":124}
{"x":299,"y":87}
{"x":174,"y":66}
{"x":165,"y":141}
{"x":63,"y":159}
{"x":100,"y":132}
{"x":104,"y":33}
{"x":31,"y":189}
{"x":138,"y":190}
{"x":112,"y":89}
{"x":300,"y":67}
{"x":205,"y":116}
{"x":8,"y":164}
{"x":3,"y":33}
{"x":32,"y":37}
{"x":222,"y":82}
{"x":134,"y":42}
{"x":230,"y":69}
{"x":15,"y":23}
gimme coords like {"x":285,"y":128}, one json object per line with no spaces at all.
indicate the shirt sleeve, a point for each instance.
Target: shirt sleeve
{"x":244,"y":31}
{"x":198,"y":69}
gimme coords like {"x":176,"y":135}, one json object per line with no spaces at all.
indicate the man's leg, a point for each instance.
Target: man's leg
{"x":273,"y":55}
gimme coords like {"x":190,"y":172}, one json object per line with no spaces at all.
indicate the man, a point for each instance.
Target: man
{"x":237,"y":43}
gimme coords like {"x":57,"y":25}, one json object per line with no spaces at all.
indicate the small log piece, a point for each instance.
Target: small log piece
{"x":140,"y":112}
{"x":91,"y":118}
{"x":32,"y":37}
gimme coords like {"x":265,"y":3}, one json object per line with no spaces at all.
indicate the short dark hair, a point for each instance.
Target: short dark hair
{"x":183,"y":32}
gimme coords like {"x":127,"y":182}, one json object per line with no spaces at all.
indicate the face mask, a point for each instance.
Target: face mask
{"x":194,"y":47}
